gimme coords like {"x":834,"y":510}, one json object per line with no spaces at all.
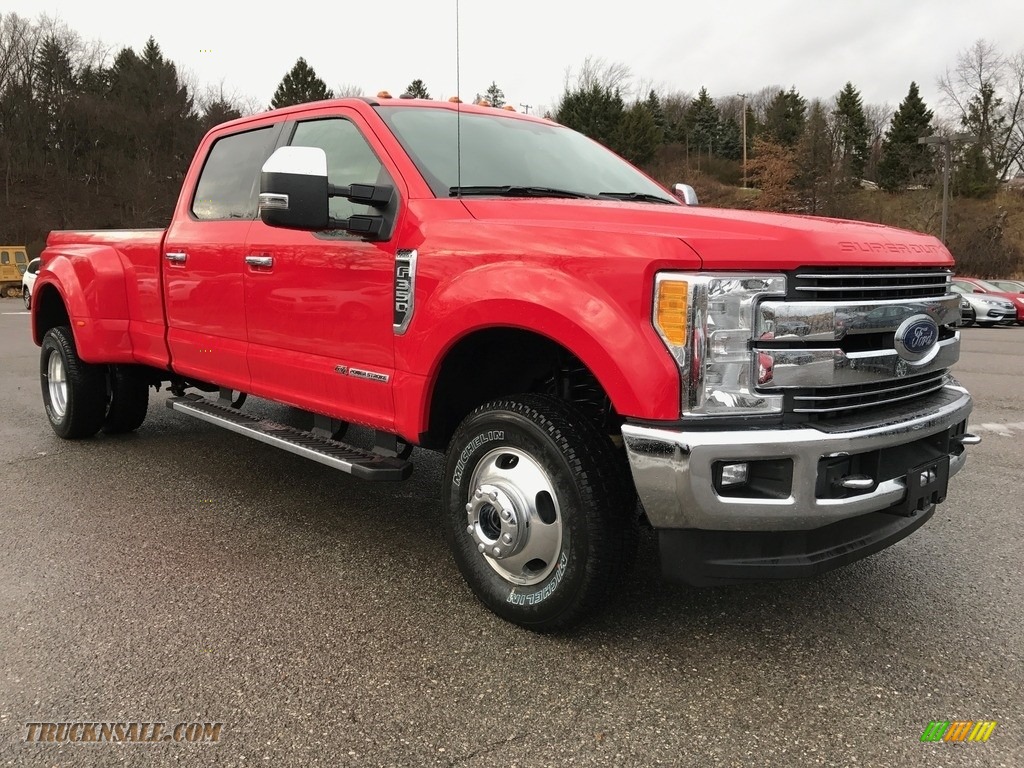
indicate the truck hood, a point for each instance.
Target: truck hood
{"x":727,"y":239}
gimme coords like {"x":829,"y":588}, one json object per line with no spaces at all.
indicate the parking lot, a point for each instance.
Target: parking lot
{"x":185,"y":574}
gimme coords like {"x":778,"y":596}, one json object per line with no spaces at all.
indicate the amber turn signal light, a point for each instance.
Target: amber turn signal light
{"x":671,"y":310}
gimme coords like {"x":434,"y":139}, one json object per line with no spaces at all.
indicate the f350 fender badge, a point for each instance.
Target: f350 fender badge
{"x":405,"y":289}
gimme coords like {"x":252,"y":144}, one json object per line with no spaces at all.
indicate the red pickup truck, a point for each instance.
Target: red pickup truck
{"x":775,"y":389}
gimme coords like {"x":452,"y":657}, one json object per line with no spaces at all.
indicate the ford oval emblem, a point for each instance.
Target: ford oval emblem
{"x":916,"y":339}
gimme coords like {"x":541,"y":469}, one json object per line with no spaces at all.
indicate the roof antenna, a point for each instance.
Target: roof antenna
{"x":458,"y":106}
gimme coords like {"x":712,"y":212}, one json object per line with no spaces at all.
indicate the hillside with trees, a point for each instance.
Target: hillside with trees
{"x":91,"y":137}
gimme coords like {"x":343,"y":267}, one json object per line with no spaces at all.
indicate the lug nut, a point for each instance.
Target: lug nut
{"x":494,"y":495}
{"x":496,"y":550}
{"x":469,"y":507}
{"x":507,"y":538}
{"x":479,"y":493}
{"x":480,"y":547}
{"x":469,"y":529}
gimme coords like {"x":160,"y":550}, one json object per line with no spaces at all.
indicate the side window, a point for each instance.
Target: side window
{"x":33,"y":267}
{"x":20,"y":257}
{"x":350,"y":160}
{"x":5,"y":257}
{"x":228,"y":183}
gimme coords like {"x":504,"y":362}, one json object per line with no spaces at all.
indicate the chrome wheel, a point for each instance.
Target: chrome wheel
{"x":513,"y":516}
{"x":56,"y":380}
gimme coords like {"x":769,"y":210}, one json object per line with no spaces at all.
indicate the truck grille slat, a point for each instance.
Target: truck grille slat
{"x":872,"y":284}
{"x":843,"y":400}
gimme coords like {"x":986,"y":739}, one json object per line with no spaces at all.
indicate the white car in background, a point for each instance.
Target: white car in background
{"x":28,"y":282}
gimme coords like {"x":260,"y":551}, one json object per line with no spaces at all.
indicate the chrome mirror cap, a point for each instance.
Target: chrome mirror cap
{"x":686,"y":193}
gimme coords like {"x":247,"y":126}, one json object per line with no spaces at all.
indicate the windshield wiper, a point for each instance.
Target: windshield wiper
{"x":641,"y":196}
{"x":517,"y":191}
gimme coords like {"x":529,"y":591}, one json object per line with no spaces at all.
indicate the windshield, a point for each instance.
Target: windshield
{"x":988,"y":286}
{"x":512,"y":157}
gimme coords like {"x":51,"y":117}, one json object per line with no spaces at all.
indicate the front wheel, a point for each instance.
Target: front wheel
{"x":539,"y":513}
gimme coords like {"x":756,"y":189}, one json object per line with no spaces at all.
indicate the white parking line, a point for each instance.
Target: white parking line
{"x":15,"y":313}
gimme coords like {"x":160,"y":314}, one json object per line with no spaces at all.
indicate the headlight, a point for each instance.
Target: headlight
{"x":705,"y":321}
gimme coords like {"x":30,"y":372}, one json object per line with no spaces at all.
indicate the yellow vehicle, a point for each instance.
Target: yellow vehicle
{"x":13,"y":262}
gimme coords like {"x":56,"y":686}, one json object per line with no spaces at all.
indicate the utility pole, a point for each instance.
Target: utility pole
{"x":743,"y":124}
{"x":945,"y":142}
{"x":526,"y":107}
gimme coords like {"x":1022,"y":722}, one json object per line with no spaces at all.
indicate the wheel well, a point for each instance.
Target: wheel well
{"x":499,"y":362}
{"x":50,"y":311}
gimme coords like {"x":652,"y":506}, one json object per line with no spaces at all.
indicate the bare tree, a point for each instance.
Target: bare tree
{"x":598,"y":72}
{"x":347,"y":90}
{"x":985,"y":91}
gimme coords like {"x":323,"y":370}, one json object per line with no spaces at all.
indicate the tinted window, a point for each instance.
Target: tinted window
{"x":228,"y":184}
{"x":349,"y":159}
{"x":498,"y":150}
{"x":5,"y":257}
{"x":20,"y":257}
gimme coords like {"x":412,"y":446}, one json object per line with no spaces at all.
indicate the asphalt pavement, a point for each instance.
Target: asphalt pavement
{"x":186,"y":574}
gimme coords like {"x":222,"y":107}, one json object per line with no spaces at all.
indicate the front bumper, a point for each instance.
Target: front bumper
{"x":674,"y":470}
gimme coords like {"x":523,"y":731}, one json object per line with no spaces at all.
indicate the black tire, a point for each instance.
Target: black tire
{"x":129,"y":400}
{"x":589,"y":511}
{"x":81,"y":402}
{"x":27,"y":298}
{"x":986,"y":325}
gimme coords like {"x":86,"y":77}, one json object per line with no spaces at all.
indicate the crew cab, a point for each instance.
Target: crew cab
{"x":569,"y":333}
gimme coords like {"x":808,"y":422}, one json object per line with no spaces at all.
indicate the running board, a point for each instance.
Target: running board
{"x":360,"y":463}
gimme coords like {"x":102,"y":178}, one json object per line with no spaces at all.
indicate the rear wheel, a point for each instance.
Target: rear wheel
{"x":538,"y":513}
{"x":129,"y":400}
{"x":74,"y":392}
{"x":27,"y":298}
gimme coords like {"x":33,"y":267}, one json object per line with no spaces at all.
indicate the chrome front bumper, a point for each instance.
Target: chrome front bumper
{"x":674,"y":469}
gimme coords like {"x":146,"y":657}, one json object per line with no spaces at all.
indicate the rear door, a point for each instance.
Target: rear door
{"x":320,"y":312}
{"x":203,"y":257}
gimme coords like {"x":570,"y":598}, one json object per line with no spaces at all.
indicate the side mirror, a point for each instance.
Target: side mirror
{"x":293,"y":189}
{"x":295,"y":193}
{"x":686,"y":193}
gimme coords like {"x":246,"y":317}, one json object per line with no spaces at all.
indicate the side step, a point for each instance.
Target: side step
{"x":360,"y":463}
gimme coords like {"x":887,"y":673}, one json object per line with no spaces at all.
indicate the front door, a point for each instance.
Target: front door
{"x":319,"y":304}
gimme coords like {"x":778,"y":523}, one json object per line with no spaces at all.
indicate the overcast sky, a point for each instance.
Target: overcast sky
{"x":526,"y":46}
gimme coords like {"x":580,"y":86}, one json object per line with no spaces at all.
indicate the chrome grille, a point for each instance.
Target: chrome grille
{"x":870,"y":284}
{"x":834,"y":402}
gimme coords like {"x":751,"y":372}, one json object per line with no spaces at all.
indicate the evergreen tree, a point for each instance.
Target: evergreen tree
{"x":730,"y":140}
{"x":653,"y":104}
{"x":417,"y":90}
{"x":986,"y":121}
{"x":904,"y":161}
{"x":639,"y":135}
{"x":814,"y":160}
{"x":495,"y":95}
{"x":299,"y":86}
{"x":784,"y":118}
{"x":595,"y":111}
{"x":702,"y":120}
{"x":851,"y":127}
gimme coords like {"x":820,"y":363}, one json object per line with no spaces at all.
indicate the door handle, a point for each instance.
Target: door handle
{"x":176,"y":258}
{"x":259,"y":261}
